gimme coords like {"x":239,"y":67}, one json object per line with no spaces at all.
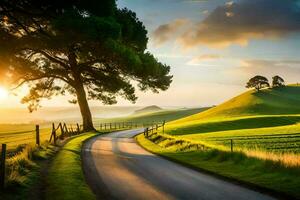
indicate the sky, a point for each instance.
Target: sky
{"x":214,"y":47}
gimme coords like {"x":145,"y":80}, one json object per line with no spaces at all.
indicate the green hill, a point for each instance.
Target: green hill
{"x":254,"y":116}
{"x":254,"y":137}
{"x":158,"y":116}
{"x":276,"y":101}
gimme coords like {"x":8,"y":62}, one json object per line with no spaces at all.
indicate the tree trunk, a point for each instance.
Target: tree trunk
{"x":84,"y":109}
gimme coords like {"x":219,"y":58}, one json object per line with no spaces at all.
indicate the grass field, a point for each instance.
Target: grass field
{"x":17,"y":134}
{"x":267,"y":120}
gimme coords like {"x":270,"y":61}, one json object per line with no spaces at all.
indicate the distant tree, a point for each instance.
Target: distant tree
{"x":258,"y":82}
{"x":87,"y":48}
{"x":277,"y":81}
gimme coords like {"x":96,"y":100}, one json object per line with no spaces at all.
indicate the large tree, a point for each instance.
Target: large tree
{"x":87,"y":48}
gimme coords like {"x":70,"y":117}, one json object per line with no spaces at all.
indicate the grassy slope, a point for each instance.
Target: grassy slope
{"x":277,"y":101}
{"x":269,"y":112}
{"x":65,"y":178}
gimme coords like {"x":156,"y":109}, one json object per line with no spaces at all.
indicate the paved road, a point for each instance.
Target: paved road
{"x":118,"y":168}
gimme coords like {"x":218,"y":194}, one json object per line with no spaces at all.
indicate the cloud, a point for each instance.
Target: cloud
{"x":239,"y":22}
{"x":205,"y":12}
{"x":206,"y":57}
{"x":166,"y":31}
{"x":288,"y":69}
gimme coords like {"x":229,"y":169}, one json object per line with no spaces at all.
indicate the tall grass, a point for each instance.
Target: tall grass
{"x":172,"y":143}
{"x":21,"y":163}
{"x":286,"y":159}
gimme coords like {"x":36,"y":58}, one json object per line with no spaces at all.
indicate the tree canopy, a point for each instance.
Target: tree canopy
{"x":87,"y":48}
{"x":277,"y":81}
{"x":258,"y":82}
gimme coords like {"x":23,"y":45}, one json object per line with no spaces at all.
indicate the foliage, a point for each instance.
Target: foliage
{"x":277,"y":81}
{"x":258,"y":82}
{"x":89,"y":49}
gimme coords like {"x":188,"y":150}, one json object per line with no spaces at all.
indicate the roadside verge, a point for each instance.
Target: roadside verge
{"x":65,"y":180}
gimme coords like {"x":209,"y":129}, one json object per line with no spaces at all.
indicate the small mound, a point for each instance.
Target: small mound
{"x":148,"y":109}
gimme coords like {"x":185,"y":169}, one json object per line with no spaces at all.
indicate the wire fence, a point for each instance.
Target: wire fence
{"x":274,"y":143}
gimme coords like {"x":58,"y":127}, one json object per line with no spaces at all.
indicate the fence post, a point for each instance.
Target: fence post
{"x":54,"y":133}
{"x":78,"y":128}
{"x":2,"y":169}
{"x":37,"y":135}
{"x":147,"y":133}
{"x":231,"y":145}
{"x":62,"y":131}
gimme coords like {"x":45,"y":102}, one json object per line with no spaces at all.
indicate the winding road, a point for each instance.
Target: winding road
{"x":116,"y":167}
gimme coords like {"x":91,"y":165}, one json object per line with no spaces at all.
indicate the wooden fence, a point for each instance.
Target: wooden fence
{"x":109,"y":126}
{"x":64,"y":130}
{"x":153,"y":129}
{"x":61,"y":131}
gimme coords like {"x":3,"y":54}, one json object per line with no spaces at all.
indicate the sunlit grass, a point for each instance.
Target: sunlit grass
{"x":15,"y":135}
{"x":65,"y":178}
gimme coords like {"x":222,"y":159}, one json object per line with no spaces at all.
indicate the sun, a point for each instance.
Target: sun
{"x":3,"y":93}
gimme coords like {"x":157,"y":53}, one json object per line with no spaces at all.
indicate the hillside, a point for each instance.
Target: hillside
{"x":148,"y":109}
{"x":158,"y":116}
{"x":268,"y":108}
{"x":277,"y":101}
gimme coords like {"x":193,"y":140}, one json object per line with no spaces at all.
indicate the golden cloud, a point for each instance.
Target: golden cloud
{"x":237,"y":23}
{"x":166,"y":31}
